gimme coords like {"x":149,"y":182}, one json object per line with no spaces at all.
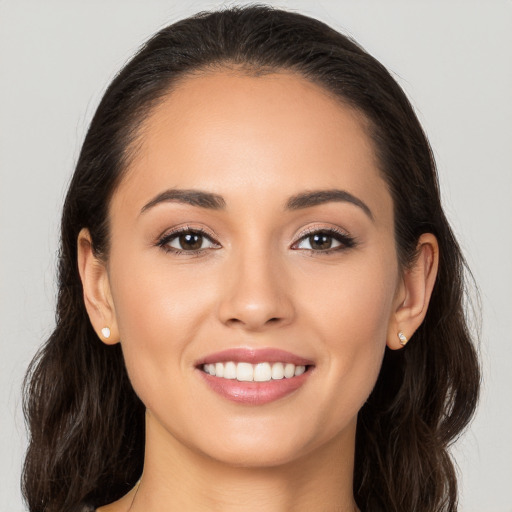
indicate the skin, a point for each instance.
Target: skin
{"x":256,"y":141}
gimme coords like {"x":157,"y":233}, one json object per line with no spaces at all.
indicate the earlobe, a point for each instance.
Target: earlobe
{"x":96,"y":288}
{"x":415,"y":291}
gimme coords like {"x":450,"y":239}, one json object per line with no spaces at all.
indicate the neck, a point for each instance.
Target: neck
{"x":178,"y":478}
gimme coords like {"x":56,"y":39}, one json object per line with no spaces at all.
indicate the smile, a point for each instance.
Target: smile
{"x":254,"y":377}
{"x":247,"y":372}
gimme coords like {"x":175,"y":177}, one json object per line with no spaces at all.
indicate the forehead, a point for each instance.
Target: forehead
{"x":233,"y":133}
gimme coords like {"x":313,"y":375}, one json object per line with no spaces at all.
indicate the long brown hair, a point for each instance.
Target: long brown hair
{"x":86,"y":423}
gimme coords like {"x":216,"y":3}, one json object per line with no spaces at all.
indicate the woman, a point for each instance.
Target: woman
{"x":252,"y":236}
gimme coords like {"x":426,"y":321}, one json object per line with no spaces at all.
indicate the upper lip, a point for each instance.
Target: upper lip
{"x":252,"y":355}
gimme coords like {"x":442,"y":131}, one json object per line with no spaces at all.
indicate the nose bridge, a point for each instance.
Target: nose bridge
{"x":256,"y":293}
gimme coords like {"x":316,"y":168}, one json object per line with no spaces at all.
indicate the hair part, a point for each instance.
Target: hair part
{"x":85,"y":421}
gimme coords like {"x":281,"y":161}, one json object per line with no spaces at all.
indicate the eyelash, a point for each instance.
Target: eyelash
{"x":345,"y":240}
{"x":163,"y":241}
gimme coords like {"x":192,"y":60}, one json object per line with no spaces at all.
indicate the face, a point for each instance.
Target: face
{"x":223,"y":251}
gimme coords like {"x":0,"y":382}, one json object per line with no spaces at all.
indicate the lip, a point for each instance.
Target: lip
{"x":254,"y":356}
{"x":254,"y":393}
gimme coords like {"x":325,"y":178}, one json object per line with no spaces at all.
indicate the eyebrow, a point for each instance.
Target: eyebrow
{"x":188,"y":196}
{"x":300,"y":201}
{"x":316,"y":197}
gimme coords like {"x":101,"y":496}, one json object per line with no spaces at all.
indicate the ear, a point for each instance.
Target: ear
{"x":414,"y":292}
{"x":96,"y":286}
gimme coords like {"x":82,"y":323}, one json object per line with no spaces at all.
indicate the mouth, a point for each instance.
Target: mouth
{"x":254,"y":377}
{"x":260,"y":372}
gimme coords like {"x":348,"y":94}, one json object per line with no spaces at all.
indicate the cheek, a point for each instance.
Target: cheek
{"x":353,"y":303}
{"x":352,"y":315}
{"x":158,"y":315}
{"x":155,"y":301}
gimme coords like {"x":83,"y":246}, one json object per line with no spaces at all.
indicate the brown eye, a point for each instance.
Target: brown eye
{"x":190,"y":241}
{"x":187,"y":240}
{"x":325,"y":240}
{"x":320,"y":241}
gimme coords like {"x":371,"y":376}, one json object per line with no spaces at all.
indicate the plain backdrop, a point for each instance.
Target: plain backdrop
{"x":454,"y":60}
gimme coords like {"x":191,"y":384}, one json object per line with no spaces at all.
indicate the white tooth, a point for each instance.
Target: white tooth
{"x":262,"y":372}
{"x":277,"y":371}
{"x":219,"y":369}
{"x":244,"y":372}
{"x":211,"y":369}
{"x":289,"y":370}
{"x":230,"y":370}
{"x":299,"y":370}
{"x":206,"y":368}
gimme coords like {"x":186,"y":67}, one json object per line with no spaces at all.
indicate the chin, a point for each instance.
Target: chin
{"x":253,"y":457}
{"x":266,"y":448}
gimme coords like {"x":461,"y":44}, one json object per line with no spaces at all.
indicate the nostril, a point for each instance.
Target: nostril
{"x":237,"y":321}
{"x":234,"y":321}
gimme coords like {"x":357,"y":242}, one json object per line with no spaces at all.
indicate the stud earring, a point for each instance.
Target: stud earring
{"x":106,"y":332}
{"x":403,"y":339}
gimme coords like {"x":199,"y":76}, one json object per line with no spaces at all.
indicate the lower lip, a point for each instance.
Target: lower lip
{"x":254,"y":393}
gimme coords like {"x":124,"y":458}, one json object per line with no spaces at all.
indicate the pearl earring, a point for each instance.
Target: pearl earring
{"x":106,"y":332}
{"x":402,"y":338}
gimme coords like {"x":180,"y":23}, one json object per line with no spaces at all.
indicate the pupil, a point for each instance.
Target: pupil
{"x":320,"y":241}
{"x":191,"y":241}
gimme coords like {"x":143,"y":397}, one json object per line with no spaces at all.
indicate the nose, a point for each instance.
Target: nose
{"x":257,"y":294}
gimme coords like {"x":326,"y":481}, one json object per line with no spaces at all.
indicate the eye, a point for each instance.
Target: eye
{"x":324,"y":241}
{"x":187,"y":240}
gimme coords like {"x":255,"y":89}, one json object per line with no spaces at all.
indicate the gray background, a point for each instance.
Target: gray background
{"x":453,"y":58}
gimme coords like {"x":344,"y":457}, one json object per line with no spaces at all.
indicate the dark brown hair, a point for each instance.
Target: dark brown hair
{"x":87,"y":424}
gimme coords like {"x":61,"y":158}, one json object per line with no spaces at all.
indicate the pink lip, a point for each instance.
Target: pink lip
{"x":250,"y":355}
{"x":254,"y":393}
